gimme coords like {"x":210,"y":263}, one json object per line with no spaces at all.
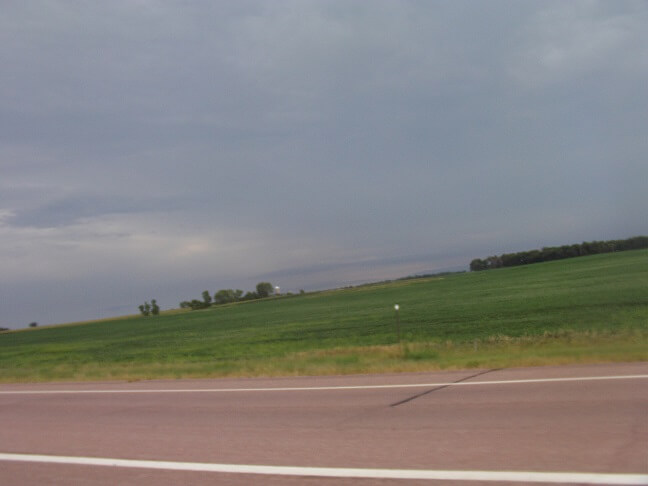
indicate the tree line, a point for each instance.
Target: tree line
{"x":226,"y":296}
{"x":223,"y":296}
{"x":558,"y":253}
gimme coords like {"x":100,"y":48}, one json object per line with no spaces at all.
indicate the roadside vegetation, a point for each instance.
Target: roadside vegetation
{"x":580,"y":310}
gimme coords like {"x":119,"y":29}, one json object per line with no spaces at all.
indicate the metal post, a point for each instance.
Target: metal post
{"x":398,"y":330}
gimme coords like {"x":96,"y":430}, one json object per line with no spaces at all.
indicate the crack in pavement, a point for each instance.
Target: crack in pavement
{"x":418,"y":395}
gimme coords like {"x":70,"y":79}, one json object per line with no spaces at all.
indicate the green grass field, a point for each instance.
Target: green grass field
{"x":581,"y":310}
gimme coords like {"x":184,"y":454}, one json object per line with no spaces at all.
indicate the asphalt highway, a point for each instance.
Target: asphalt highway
{"x":478,"y":426}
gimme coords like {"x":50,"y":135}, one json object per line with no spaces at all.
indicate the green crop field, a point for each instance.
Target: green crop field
{"x":580,"y":310}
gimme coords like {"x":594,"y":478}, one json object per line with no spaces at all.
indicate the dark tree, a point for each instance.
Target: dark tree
{"x":196,"y":304}
{"x":145,"y":309}
{"x":206,"y":298}
{"x":264,"y":289}
{"x":226,"y":296}
{"x":155,"y":309}
{"x":477,"y":264}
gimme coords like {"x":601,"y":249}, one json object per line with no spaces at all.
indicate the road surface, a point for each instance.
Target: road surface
{"x":475,"y":426}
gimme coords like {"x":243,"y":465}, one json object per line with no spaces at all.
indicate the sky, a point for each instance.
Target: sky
{"x":155,"y":149}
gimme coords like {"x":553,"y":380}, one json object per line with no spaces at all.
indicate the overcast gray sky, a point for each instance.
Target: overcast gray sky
{"x":154,"y":149}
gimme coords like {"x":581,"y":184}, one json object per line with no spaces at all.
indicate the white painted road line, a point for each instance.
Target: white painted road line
{"x":320,"y":388}
{"x":500,"y":476}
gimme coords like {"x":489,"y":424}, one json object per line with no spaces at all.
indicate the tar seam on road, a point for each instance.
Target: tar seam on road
{"x":418,"y":395}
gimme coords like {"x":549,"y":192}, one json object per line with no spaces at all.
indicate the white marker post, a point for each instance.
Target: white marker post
{"x":398,"y":331}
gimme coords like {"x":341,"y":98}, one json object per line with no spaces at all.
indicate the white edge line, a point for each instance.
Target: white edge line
{"x":319,"y":388}
{"x":516,"y":476}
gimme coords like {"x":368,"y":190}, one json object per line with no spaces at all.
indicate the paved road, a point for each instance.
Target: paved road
{"x":586,"y":419}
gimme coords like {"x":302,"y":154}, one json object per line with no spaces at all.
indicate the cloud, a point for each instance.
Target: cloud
{"x":161,"y":147}
{"x":567,"y":41}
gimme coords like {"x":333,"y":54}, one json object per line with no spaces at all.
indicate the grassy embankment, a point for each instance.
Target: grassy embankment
{"x":581,"y":310}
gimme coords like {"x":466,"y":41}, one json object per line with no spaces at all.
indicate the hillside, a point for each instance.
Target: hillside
{"x":585,"y":309}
